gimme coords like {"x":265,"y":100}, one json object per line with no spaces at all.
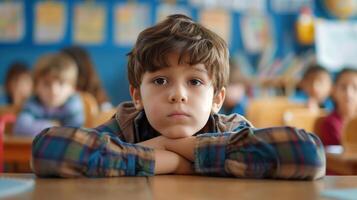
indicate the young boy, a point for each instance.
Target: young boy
{"x":56,"y":101}
{"x":344,"y":94}
{"x":18,"y":85}
{"x":178,"y":71}
{"x":315,"y":88}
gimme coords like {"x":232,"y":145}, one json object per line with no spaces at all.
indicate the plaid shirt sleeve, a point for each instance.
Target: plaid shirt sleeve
{"x":280,"y":152}
{"x":74,"y":152}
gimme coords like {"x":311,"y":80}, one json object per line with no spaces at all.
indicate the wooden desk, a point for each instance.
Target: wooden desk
{"x":339,"y":163}
{"x":180,"y":187}
{"x":17,"y":153}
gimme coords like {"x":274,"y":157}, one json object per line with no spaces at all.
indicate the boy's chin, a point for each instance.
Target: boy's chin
{"x":54,"y":104}
{"x":177,"y":133}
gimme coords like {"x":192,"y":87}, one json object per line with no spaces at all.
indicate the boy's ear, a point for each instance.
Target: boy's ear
{"x":218,"y":100}
{"x":136,"y":97}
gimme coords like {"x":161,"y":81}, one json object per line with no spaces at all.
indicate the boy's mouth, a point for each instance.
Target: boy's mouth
{"x":178,"y":115}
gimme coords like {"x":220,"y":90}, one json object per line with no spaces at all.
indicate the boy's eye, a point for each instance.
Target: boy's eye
{"x":160,"y":81}
{"x":195,"y":82}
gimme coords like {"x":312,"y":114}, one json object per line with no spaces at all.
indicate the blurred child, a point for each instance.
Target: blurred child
{"x":88,"y":79}
{"x":56,"y":101}
{"x":236,"y":99}
{"x":18,"y":84}
{"x":315,"y":88}
{"x":344,"y":94}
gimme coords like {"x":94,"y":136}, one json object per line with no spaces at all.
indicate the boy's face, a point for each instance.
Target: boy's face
{"x":53,"y":92}
{"x":178,"y":99}
{"x":21,"y":88}
{"x":345,"y":93}
{"x":319,"y":86}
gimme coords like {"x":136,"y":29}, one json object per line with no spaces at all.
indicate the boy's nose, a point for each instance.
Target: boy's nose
{"x":350,"y":91}
{"x":54,"y":88}
{"x":175,"y":99}
{"x":178,"y":95}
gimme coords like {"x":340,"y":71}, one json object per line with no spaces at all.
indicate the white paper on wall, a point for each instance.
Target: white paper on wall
{"x":336,"y":43}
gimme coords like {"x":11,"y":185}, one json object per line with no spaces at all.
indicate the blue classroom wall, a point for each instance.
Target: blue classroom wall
{"x":110,"y":66}
{"x":110,"y":59}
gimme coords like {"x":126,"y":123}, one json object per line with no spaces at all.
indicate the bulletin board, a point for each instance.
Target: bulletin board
{"x":108,"y":28}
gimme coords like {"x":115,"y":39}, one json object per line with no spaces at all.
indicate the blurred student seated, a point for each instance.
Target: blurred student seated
{"x":56,"y":101}
{"x":314,"y":89}
{"x":18,"y":85}
{"x":88,"y":79}
{"x":344,"y":94}
{"x":236,"y":99}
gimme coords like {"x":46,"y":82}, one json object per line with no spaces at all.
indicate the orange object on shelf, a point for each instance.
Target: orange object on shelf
{"x":305,"y":27}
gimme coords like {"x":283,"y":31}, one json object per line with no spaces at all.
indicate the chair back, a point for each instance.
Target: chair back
{"x":103,"y":117}
{"x":349,"y":138}
{"x":4,"y":119}
{"x":317,"y":125}
{"x":90,"y":107}
{"x":303,"y":118}
{"x":269,"y":111}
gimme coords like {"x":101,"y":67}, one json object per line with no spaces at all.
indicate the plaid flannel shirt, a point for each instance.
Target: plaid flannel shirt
{"x":226,"y":146}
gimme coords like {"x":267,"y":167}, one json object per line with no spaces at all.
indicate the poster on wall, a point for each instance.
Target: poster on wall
{"x":50,"y":22}
{"x":130,"y":20}
{"x":256,"y":6}
{"x":211,"y":3}
{"x":335,"y":53}
{"x":256,"y":32}
{"x":165,"y":10}
{"x":249,"y":6}
{"x":89,"y":23}
{"x":289,"y":6}
{"x":11,"y":21}
{"x":218,"y":21}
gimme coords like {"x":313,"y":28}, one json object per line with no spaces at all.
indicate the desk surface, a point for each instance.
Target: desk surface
{"x":17,"y":149}
{"x":180,"y":187}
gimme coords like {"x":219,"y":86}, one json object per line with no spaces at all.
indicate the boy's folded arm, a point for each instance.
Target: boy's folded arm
{"x":280,"y":152}
{"x":73,"y":152}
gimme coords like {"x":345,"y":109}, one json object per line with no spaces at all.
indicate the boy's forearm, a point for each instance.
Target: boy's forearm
{"x":73,"y":152}
{"x":280,"y":152}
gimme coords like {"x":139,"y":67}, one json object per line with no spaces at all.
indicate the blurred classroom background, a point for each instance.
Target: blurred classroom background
{"x":261,"y":33}
{"x":272,"y":44}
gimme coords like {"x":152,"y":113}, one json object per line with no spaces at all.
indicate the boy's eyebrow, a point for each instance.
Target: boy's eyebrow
{"x":199,"y":69}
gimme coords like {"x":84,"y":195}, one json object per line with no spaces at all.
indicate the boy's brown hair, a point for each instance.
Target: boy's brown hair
{"x":58,"y":66}
{"x":16,"y":69}
{"x":346,"y":70}
{"x":179,"y":34}
{"x":313,"y":70}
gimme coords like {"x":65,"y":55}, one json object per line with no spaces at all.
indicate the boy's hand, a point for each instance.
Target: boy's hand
{"x":172,"y":155}
{"x":183,"y":146}
{"x":167,"y":162}
{"x":155,"y":143}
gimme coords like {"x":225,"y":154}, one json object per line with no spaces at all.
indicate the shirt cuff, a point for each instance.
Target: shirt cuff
{"x":210,"y":153}
{"x":144,"y":164}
